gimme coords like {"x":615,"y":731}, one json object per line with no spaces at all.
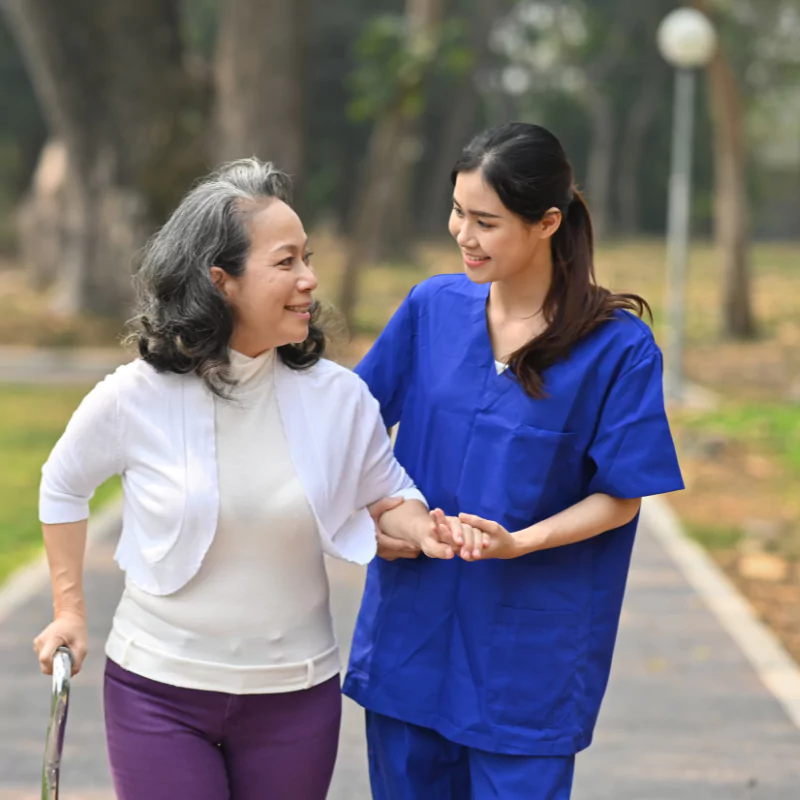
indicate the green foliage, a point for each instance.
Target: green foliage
{"x":714,"y":537}
{"x":360,"y":64}
{"x":199,"y":26}
{"x":31,"y":420}
{"x":776,"y":426}
{"x":391,"y":68}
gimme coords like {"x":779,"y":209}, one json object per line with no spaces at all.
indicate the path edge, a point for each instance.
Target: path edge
{"x":31,"y":578}
{"x":775,"y":667}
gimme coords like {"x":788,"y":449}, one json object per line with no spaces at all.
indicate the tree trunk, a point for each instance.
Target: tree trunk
{"x":598,"y":177}
{"x":260,"y":75}
{"x":730,"y":163}
{"x":386,"y":165}
{"x":641,"y":116}
{"x":460,"y":121}
{"x":731,"y":198}
{"x":394,"y":235}
{"x":110,"y":82}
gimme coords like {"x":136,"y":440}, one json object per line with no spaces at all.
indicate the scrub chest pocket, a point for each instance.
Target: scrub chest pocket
{"x":537,"y":468}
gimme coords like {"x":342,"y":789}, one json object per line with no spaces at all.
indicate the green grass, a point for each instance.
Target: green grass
{"x":714,"y":537}
{"x":774,"y":426}
{"x":31,"y":420}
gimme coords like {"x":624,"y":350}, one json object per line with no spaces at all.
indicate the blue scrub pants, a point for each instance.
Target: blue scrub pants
{"x":407,"y":762}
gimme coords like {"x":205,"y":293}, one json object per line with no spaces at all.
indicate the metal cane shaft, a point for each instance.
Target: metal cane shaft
{"x":59,"y":704}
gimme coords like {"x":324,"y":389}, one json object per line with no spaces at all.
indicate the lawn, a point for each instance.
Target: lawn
{"x":31,"y":420}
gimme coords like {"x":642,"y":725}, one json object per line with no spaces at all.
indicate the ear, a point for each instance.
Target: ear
{"x":551,"y":222}
{"x":220,"y":279}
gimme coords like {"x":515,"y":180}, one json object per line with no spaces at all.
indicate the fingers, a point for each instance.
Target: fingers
{"x":472,"y":542}
{"x":45,"y":645}
{"x":78,"y":656}
{"x":433,"y":548}
{"x":383,"y":505}
{"x":390,"y":549}
{"x":61,"y":633}
{"x":486,"y":526}
{"x":463,"y":538}
{"x":443,"y":528}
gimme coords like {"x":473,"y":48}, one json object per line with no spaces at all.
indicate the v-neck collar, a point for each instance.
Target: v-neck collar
{"x":495,"y":384}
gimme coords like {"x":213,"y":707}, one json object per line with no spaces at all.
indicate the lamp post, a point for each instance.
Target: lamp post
{"x":687,"y":41}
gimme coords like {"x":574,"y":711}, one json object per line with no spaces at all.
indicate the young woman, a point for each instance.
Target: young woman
{"x":243,"y":457}
{"x":530,"y":401}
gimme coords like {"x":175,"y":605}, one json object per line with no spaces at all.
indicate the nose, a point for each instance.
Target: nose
{"x":307,"y":282}
{"x":465,"y":235}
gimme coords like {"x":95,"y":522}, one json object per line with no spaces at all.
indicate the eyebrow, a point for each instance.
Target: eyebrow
{"x":289,"y":246}
{"x":477,"y":213}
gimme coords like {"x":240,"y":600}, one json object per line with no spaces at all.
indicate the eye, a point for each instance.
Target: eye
{"x":458,"y":211}
{"x":287,"y":262}
{"x":485,"y":225}
{"x":307,"y":258}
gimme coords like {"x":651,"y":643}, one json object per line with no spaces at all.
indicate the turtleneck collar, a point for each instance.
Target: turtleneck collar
{"x":250,"y":373}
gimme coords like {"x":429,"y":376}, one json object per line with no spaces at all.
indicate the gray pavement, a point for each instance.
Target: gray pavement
{"x":686,"y":718}
{"x":85,"y":365}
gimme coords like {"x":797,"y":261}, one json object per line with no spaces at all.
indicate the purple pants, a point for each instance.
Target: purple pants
{"x":166,"y":743}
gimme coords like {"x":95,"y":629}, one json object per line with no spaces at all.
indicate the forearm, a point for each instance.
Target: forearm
{"x":65,"y":545}
{"x":590,"y":517}
{"x":409,"y":522}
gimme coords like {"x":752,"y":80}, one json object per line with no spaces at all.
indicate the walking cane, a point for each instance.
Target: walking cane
{"x":59,"y":704}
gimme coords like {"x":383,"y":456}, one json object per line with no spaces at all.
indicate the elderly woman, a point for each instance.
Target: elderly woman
{"x":244,"y":457}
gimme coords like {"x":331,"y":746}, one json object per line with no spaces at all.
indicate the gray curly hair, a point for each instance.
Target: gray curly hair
{"x":183,"y":324}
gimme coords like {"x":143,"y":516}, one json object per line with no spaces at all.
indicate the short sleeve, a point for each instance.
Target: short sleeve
{"x":387,"y":368}
{"x":381,"y":474}
{"x":633,"y":451}
{"x":86,"y":455}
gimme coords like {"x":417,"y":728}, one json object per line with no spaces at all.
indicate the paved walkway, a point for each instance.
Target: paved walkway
{"x":84,"y":365}
{"x":686,"y":718}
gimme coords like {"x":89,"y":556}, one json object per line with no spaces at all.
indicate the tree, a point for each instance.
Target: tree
{"x":579,"y":48}
{"x":260,"y":72}
{"x":111,"y":83}
{"x":730,"y":200}
{"x":390,"y":153}
{"x":461,"y":113}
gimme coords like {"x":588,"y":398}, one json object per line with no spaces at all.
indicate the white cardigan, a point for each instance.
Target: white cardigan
{"x":157,"y":431}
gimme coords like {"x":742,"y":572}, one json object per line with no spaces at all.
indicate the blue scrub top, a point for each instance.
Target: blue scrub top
{"x":510,"y":656}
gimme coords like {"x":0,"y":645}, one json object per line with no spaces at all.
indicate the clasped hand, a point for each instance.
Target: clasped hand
{"x":474,"y":538}
{"x":468,"y":536}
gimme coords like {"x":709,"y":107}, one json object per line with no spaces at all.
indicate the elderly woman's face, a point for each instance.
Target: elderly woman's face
{"x":272,"y":299}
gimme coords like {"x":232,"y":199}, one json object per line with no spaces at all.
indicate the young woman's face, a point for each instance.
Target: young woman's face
{"x":495,"y":243}
{"x":272,"y":299}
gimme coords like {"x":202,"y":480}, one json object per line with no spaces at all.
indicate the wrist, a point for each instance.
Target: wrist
{"x":531,"y":539}
{"x":420,"y":532}
{"x":70,"y":612}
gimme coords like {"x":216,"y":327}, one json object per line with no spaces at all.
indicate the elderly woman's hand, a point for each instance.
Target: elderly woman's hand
{"x":68,"y":629}
{"x":390,"y":549}
{"x":407,"y":523}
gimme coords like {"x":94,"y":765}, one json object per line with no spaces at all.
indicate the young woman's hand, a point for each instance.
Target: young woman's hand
{"x":466,"y":540}
{"x":66,"y":630}
{"x":496,"y":541}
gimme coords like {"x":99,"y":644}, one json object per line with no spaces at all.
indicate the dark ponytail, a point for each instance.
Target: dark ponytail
{"x":528,"y":169}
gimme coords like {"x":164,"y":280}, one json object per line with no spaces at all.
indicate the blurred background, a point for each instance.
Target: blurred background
{"x":109,"y":111}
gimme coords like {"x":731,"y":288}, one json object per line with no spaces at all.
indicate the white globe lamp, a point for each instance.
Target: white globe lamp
{"x":687,"y":40}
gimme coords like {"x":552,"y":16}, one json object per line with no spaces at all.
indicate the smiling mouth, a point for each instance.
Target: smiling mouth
{"x":472,"y":259}
{"x":304,"y":309}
